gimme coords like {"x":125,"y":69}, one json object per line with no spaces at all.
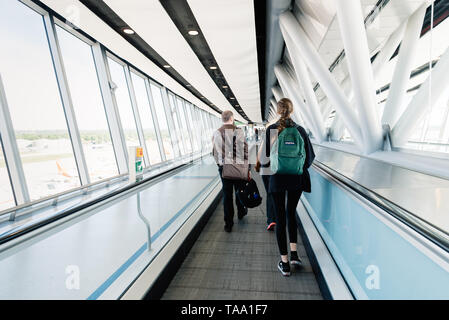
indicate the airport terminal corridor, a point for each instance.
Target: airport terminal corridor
{"x":123,"y":124}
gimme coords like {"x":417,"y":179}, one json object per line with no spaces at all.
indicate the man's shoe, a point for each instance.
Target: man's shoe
{"x":284,"y":268}
{"x":240,"y":215}
{"x":228,"y":228}
{"x":294,"y":259}
{"x":271,"y":226}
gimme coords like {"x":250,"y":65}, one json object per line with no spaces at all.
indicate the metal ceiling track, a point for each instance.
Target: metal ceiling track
{"x":105,"y":13}
{"x":184,"y":19}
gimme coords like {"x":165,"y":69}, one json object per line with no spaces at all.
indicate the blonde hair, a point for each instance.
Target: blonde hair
{"x":285,"y":109}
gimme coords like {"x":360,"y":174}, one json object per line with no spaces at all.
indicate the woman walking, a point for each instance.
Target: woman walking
{"x":290,"y":178}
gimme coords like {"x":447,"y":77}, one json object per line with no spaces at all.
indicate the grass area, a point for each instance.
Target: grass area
{"x":40,"y":158}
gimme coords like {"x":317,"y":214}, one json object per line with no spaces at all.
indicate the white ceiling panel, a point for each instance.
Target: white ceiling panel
{"x":229,"y":29}
{"x":75,"y":11}
{"x":151,"y":22}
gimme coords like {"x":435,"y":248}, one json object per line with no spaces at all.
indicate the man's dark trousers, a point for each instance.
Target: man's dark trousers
{"x":229,"y":188}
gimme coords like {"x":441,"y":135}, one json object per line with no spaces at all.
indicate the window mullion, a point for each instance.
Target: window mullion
{"x":11,"y":152}
{"x":171,"y":122}
{"x":66,"y":99}
{"x":110,"y":105}
{"x":189,"y":128}
{"x":155,"y":121}
{"x":137,"y":120}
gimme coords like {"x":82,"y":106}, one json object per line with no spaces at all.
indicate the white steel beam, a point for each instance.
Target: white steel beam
{"x":322,"y":74}
{"x":435,"y":86}
{"x":387,"y":51}
{"x":405,"y":60}
{"x":352,"y":28}
{"x":302,"y":74}
{"x":289,"y":86}
{"x":277,"y":92}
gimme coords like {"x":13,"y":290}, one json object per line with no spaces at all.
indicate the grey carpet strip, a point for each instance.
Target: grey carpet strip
{"x":241,"y":264}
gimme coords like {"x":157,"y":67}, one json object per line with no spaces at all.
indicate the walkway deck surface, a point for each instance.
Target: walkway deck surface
{"x":241,"y":264}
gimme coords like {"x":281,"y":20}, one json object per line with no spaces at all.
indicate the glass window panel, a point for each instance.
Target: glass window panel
{"x":162,"y":121}
{"x":146,"y":118}
{"x":194,"y":133}
{"x":124,"y":104}
{"x":184,"y":129}
{"x":35,"y":105}
{"x":207,"y":129}
{"x":178,"y":139}
{"x":199,"y":126}
{"x":6,"y":195}
{"x":88,"y":106}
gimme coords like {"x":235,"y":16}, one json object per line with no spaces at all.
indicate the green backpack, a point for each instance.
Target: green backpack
{"x":287,"y":154}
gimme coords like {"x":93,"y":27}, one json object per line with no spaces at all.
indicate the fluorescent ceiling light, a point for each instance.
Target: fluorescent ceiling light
{"x":128,"y":31}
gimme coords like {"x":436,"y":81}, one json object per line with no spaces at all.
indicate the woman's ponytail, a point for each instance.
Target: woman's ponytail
{"x":285,"y":108}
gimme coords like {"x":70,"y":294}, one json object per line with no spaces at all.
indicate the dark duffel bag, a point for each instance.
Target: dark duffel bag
{"x":249,"y":195}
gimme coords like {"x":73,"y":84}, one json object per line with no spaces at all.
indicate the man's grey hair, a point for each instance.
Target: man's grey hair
{"x":226,"y":115}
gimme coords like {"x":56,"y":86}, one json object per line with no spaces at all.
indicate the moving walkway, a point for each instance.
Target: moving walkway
{"x":360,"y":240}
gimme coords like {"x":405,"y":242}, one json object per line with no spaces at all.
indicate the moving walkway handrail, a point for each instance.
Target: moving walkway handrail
{"x":19,"y":231}
{"x":426,"y":229}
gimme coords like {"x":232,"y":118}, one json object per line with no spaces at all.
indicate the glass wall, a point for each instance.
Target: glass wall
{"x":146,"y":118}
{"x":124,"y":103}
{"x":88,"y":106}
{"x":34,"y":102}
{"x":162,"y":121}
{"x":177,"y":141}
{"x":6,"y":195}
{"x":185,"y":134}
{"x":193,"y":126}
{"x":39,"y":116}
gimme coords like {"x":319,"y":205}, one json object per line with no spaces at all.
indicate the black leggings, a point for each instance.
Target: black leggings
{"x":281,"y":218}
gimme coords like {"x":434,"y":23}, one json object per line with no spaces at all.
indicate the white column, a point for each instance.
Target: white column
{"x":289,"y":86}
{"x":277,"y":92}
{"x":322,"y":74}
{"x":327,"y":110}
{"x":337,"y":128}
{"x":302,"y":74}
{"x":420,"y":103}
{"x":273,"y":108}
{"x":388,"y":50}
{"x":405,"y":60}
{"x":352,"y":28}
{"x":273,"y":105}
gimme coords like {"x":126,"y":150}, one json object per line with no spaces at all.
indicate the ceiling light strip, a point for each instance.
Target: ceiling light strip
{"x":184,"y":19}
{"x":105,"y":13}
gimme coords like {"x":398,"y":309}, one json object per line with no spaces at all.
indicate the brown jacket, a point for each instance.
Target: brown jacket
{"x":224,"y":136}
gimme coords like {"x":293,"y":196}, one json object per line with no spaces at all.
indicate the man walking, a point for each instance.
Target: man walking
{"x":226,"y":139}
